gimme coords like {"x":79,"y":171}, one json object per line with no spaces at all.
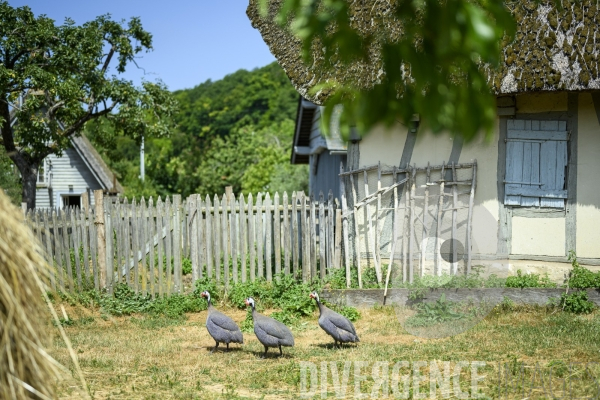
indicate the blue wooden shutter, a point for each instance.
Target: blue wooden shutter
{"x":536,"y":158}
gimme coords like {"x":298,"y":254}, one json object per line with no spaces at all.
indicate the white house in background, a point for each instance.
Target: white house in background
{"x":323,"y":153}
{"x":63,"y":180}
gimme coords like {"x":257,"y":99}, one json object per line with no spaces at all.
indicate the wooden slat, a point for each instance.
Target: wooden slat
{"x":549,"y":168}
{"x":439,"y":223}
{"x":66,"y":247}
{"x":356,"y":232}
{"x":454,"y":222}
{"x":200,"y":234}
{"x":277,"y":235}
{"x":93,"y":246}
{"x":38,"y":232}
{"x":295,"y":236}
{"x":330,"y":233}
{"x":514,"y":171}
{"x":470,"y":216}
{"x":126,"y":242}
{"x":159,"y":248}
{"x":322,"y":236}
{"x":546,"y":194}
{"x":135,"y":245}
{"x":177,"y":243}
{"x":185,"y":233}
{"x":168,"y":221}
{"x":268,"y":238}
{"x":378,"y":232}
{"x":252,"y":238}
{"x":395,"y":218}
{"x":287,"y":236}
{"x":226,"y":239}
{"x":119,"y":245}
{"x":371,"y":230}
{"x":110,"y":251}
{"x":217,"y":240}
{"x":305,"y":239}
{"x":209,"y":238}
{"x":413,"y":220}
{"x":49,"y":254}
{"x":75,"y":241}
{"x":425,"y":232}
{"x":194,"y":242}
{"x":152,"y":232}
{"x":260,"y":244}
{"x":543,"y":135}
{"x":143,"y":240}
{"x":243,"y":237}
{"x":235,"y":239}
{"x":58,"y":247}
{"x":344,"y":227}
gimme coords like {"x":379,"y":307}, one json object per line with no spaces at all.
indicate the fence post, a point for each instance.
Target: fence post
{"x":85,"y":201}
{"x":101,"y":241}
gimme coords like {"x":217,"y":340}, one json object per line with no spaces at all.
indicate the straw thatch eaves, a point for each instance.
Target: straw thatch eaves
{"x":552,"y":50}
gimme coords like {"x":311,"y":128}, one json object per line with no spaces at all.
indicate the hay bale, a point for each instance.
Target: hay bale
{"x":26,"y":370}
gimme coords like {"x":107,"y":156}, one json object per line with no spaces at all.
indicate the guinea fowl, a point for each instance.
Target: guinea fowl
{"x":270,"y":332}
{"x":336,"y":325}
{"x":220,"y":326}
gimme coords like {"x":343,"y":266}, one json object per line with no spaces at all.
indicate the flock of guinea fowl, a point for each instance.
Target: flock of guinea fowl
{"x":272,"y":333}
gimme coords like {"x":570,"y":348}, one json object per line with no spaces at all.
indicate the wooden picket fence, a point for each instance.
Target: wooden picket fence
{"x":402,"y":219}
{"x":147,"y":244}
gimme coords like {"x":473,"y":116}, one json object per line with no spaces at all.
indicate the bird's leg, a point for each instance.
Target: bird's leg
{"x":265,"y":355}
{"x":227,"y":347}
{"x":280,"y":351}
{"x":215,"y":349}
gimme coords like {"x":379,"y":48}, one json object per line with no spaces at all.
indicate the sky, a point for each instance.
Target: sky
{"x":193,"y":40}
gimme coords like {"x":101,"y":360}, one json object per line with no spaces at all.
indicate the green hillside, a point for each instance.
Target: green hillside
{"x":236,"y":131}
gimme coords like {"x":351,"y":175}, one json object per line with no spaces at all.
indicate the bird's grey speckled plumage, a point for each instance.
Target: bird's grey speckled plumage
{"x":270,"y":332}
{"x":334,"y":324}
{"x":221,"y":327}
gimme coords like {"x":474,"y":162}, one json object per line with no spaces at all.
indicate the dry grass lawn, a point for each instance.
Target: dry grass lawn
{"x":148,"y":358}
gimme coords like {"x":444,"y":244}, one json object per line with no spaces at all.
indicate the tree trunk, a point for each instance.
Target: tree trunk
{"x":29,"y":172}
{"x":29,"y":185}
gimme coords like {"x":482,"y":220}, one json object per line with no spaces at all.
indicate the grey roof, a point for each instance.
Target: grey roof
{"x":552,"y":50}
{"x":96,"y":164}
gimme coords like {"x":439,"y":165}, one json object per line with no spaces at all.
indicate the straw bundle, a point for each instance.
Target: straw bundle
{"x":26,"y":370}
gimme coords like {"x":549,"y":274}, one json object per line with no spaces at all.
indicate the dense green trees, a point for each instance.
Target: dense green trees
{"x":236,"y":132}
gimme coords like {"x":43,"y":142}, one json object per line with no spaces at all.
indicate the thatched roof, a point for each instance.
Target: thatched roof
{"x":552,"y":50}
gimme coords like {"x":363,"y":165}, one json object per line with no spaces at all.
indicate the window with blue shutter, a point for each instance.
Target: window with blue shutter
{"x":536,"y":162}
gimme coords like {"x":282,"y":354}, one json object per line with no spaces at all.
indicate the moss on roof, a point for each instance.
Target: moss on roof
{"x":552,"y":49}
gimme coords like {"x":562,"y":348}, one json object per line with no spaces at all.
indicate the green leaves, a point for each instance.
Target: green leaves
{"x":65,"y":72}
{"x":529,"y":281}
{"x":431,"y":54}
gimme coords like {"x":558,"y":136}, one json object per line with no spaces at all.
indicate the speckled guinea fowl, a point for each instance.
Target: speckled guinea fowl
{"x":220,"y":326}
{"x":336,"y":325}
{"x":270,"y":332}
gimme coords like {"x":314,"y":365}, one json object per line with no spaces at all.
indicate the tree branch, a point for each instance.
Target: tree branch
{"x":108,"y":58}
{"x":88,"y":116}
